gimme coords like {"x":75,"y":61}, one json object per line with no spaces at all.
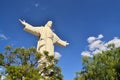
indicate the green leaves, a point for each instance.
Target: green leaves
{"x":22,"y":64}
{"x":102,"y":66}
{"x":1,"y":58}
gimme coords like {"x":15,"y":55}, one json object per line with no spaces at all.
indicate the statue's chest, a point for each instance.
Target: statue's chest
{"x":46,"y":32}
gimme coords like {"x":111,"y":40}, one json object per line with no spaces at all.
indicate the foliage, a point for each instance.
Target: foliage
{"x":22,"y":64}
{"x":102,"y":66}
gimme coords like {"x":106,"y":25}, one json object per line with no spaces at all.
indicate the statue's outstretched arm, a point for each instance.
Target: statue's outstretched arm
{"x":29,"y":28}
{"x":23,"y":22}
{"x":57,"y":40}
{"x":62,"y":43}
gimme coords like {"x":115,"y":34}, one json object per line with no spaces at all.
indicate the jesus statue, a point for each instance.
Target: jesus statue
{"x":47,"y":38}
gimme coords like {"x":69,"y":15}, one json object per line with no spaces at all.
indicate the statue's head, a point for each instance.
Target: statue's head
{"x":49,"y":24}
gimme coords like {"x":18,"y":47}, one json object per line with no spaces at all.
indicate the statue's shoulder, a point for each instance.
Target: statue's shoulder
{"x":39,"y":27}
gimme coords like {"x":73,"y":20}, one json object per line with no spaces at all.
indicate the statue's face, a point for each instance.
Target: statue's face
{"x":49,"y":24}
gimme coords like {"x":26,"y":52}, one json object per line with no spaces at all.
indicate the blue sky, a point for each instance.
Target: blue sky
{"x":73,"y":20}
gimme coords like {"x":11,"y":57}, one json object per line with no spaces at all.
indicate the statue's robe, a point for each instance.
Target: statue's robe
{"x":47,"y":38}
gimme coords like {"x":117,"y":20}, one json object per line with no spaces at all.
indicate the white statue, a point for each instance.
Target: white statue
{"x":47,"y":39}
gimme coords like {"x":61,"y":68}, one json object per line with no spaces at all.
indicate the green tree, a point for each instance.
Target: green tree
{"x":102,"y":66}
{"x":22,"y":64}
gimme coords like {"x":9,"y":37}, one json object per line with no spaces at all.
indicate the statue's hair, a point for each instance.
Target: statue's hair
{"x":50,"y":21}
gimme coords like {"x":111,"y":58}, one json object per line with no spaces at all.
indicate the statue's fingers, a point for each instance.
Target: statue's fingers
{"x":20,"y":20}
{"x":23,"y":20}
{"x":67,"y":43}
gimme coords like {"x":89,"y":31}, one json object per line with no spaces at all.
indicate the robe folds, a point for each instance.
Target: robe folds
{"x":47,"y":38}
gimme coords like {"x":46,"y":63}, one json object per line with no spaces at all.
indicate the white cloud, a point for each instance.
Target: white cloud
{"x":96,"y":45}
{"x":100,"y":36}
{"x":36,"y":5}
{"x":57,"y":55}
{"x":2,"y":36}
{"x":96,"y":51}
{"x":115,"y":41}
{"x":101,"y":48}
{"x":86,"y":53}
{"x":91,"y":39}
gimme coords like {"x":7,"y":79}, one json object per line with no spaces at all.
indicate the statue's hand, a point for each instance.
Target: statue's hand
{"x":23,"y":22}
{"x":67,"y":43}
